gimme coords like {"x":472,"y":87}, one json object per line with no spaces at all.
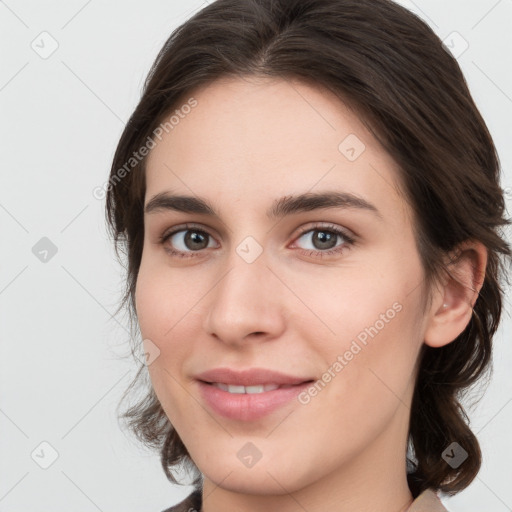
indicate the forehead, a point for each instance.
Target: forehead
{"x":250,"y":138}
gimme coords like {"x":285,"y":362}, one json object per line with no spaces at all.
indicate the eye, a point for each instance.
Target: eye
{"x":185,"y":241}
{"x":188,"y":240}
{"x":324,"y":240}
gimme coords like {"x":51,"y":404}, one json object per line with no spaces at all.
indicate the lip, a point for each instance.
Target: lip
{"x":250,"y":377}
{"x":248,"y":407}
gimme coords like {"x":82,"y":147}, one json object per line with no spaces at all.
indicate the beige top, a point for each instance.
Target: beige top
{"x":427,"y":501}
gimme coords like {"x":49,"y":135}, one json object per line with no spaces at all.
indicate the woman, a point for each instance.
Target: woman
{"x":309,"y":201}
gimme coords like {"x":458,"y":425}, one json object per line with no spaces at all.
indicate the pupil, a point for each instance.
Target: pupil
{"x":195,"y":238}
{"x":324,"y":238}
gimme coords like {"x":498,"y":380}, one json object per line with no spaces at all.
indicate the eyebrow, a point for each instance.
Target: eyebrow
{"x":281,"y":207}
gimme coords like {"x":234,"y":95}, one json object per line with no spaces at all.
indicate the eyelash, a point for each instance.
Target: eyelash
{"x":348,"y":240}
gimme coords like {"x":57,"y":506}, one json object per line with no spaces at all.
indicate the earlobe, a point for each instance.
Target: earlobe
{"x":453,"y":302}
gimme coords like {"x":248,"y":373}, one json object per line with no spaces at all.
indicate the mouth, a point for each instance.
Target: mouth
{"x":252,"y":390}
{"x":251,"y":402}
{"x":249,"y":394}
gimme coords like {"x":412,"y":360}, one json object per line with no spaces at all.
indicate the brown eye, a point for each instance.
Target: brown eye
{"x":184,"y":242}
{"x":324,"y":240}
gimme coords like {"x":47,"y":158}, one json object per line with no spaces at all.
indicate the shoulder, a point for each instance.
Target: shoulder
{"x":427,"y":501}
{"x":192,"y":503}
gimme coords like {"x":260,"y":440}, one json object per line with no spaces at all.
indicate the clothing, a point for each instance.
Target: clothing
{"x":427,"y":501}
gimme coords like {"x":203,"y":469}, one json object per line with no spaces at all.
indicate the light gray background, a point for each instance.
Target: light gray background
{"x":61,"y":371}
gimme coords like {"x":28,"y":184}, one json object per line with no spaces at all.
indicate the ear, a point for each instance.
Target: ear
{"x":453,"y":301}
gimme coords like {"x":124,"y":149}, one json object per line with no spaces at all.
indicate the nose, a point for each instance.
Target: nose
{"x":246,"y":303}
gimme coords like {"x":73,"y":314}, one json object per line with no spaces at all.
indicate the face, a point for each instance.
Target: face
{"x":327,"y":291}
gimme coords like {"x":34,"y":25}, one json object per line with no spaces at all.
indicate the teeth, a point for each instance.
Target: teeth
{"x":246,"y":389}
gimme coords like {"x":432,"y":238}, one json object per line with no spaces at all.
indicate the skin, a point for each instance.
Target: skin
{"x":245,"y":144}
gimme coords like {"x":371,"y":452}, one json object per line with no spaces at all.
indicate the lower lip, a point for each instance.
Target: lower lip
{"x":246,"y":406}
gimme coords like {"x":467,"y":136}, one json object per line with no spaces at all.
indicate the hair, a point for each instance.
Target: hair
{"x":390,"y":67}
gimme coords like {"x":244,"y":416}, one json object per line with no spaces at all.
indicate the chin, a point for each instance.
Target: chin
{"x":265,"y":479}
{"x":246,"y":482}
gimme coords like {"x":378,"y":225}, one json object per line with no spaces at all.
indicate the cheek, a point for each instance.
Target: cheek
{"x":160,"y":299}
{"x":168,"y":304}
{"x":370,"y":325}
{"x":343,"y":305}
{"x":150,"y":305}
{"x":161,"y":314}
{"x":368,"y":365}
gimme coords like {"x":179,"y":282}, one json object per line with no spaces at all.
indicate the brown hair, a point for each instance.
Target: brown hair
{"x":394,"y":71}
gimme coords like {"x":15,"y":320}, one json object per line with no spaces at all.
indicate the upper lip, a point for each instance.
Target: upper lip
{"x":249,"y":377}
